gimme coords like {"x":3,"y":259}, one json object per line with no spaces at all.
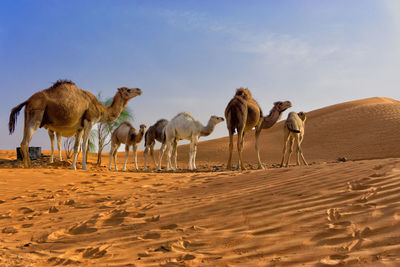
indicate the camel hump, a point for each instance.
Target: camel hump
{"x":184,"y":114}
{"x":61,"y":82}
{"x":126,"y":124}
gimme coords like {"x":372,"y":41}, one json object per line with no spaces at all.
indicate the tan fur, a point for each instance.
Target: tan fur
{"x":65,"y":109}
{"x":128,"y":135}
{"x":243,"y":114}
{"x":294,"y":131}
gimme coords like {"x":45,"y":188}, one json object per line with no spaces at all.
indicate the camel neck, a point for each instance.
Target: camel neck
{"x":271,"y":119}
{"x":208,"y":129}
{"x":113,"y":111}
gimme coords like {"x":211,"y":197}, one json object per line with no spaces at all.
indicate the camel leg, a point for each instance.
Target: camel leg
{"x":126,"y":156}
{"x":134,"y":148}
{"x":257,"y":133}
{"x":169,"y":165}
{"x":115,"y":152}
{"x":152,"y":154}
{"x":285,"y":141}
{"x":78,"y":138}
{"x":110,"y":156}
{"x":191,"y":151}
{"x":300,"y":152}
{"x":175,"y":152}
{"x":291,"y":143}
{"x":32,"y":123}
{"x":240,"y":148}
{"x":196,"y":141}
{"x":58,"y":135}
{"x":51,"y":135}
{"x":86,"y":132}
{"x":162,"y":149}
{"x":146,"y":150}
{"x":229,"y":165}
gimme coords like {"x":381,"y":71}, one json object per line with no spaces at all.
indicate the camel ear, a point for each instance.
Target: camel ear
{"x":277,"y":103}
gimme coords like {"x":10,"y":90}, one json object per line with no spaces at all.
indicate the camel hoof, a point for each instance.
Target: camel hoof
{"x":84,"y":168}
{"x":73,"y":168}
{"x":261,"y":167}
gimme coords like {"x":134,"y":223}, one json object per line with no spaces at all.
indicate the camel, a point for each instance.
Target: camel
{"x":294,"y":131}
{"x":64,"y":108}
{"x":128,"y":135}
{"x":155,"y":132}
{"x":242,"y":115}
{"x":185,"y":126}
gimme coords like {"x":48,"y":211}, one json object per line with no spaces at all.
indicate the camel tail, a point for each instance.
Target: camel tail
{"x":233,"y":121}
{"x":13,"y":116}
{"x":146,"y":142}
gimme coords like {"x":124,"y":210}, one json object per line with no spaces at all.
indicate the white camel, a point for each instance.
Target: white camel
{"x":185,"y":126}
{"x":128,"y":135}
{"x":294,"y":132}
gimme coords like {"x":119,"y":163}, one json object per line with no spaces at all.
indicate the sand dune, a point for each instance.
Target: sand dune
{"x":329,"y":213}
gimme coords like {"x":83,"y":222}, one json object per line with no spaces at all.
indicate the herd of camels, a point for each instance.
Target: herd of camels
{"x":67,"y":111}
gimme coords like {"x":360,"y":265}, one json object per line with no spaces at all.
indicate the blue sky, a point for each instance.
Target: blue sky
{"x":191,"y":55}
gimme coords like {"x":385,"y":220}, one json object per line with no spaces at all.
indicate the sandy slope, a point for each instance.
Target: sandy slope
{"x":328,"y":213}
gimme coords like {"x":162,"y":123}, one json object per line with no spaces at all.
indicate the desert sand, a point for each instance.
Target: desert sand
{"x":325,"y":214}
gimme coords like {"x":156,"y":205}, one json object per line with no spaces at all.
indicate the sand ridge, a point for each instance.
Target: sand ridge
{"x":326,"y":214}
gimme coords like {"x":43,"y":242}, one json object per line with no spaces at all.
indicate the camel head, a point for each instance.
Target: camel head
{"x":128,"y":93}
{"x":302,"y":116}
{"x":142,"y":128}
{"x":244,"y":93}
{"x":282,"y":106}
{"x":216,"y":119}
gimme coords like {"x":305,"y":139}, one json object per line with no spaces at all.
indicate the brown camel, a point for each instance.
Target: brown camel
{"x":155,"y":132}
{"x":68,"y":110}
{"x":242,"y":115}
{"x":128,"y":135}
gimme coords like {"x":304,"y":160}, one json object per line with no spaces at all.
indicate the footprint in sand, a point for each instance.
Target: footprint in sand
{"x":169,"y":227}
{"x":61,"y":261}
{"x":26,"y":210}
{"x":53,"y":209}
{"x":356,"y":186}
{"x":335,"y":259}
{"x":9,"y":230}
{"x":151,"y":235}
{"x":82,"y":228}
{"x":93,"y":252}
{"x":153,"y":219}
{"x":5,"y":215}
{"x":114,"y":217}
{"x":372,"y":192}
{"x":333,"y":214}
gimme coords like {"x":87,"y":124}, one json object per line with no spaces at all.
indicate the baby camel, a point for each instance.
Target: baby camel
{"x":294,"y":130}
{"x":128,"y":135}
{"x":155,"y":132}
{"x":185,"y":126}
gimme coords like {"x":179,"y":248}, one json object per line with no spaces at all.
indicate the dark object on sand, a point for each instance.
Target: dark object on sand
{"x":342,"y":159}
{"x":34,"y":152}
